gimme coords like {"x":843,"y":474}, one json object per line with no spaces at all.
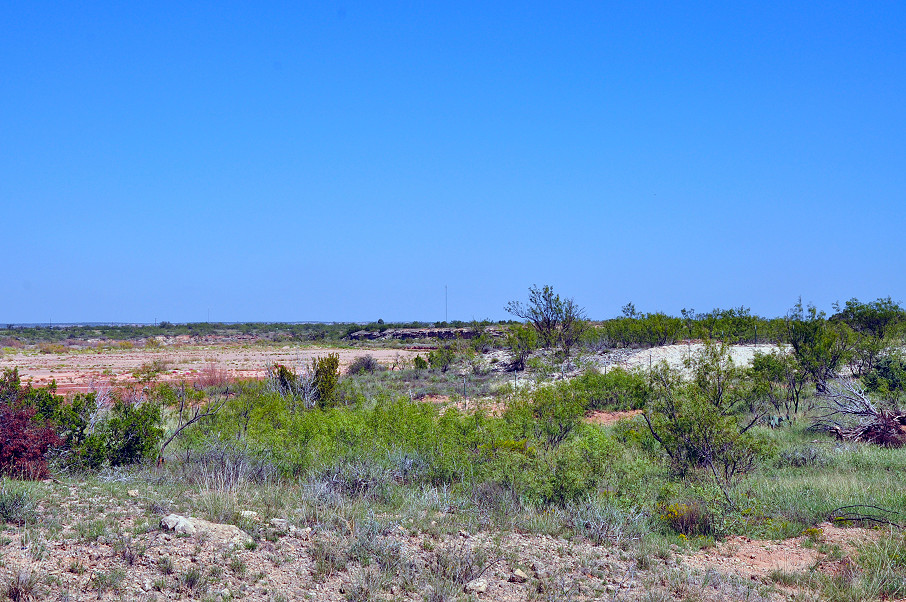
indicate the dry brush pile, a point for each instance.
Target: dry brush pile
{"x":851,"y":415}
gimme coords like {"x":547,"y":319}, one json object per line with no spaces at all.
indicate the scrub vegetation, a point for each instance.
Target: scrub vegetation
{"x":440,"y":478}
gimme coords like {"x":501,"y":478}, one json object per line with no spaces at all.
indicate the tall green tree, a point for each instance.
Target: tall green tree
{"x":558,"y":321}
{"x":875,"y":324}
{"x":820,"y":346}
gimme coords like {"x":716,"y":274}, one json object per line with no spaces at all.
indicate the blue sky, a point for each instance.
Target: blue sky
{"x":347,"y":161}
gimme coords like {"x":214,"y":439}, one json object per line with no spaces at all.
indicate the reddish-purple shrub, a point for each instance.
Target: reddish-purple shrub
{"x":24,"y":443}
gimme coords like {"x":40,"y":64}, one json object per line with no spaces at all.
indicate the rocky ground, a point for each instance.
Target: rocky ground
{"x":675,"y":355}
{"x":123,"y":539}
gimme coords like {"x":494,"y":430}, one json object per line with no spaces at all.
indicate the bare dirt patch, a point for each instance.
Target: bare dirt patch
{"x":756,"y":559}
{"x":601,"y":417}
{"x":83,"y":370}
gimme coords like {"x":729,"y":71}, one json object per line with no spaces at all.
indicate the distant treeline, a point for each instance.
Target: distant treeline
{"x":648,"y":330}
{"x":882,"y":319}
{"x":632,"y":329}
{"x":268,"y":330}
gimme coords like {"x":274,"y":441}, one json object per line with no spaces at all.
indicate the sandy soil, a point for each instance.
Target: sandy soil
{"x":84,"y":370}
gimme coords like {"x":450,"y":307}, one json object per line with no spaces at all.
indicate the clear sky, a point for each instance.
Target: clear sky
{"x":293,"y":161}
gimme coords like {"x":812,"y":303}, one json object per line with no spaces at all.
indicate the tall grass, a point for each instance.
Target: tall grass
{"x":17,"y":502}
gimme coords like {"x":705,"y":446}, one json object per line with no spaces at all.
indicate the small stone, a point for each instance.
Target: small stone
{"x":518,"y":576}
{"x":249,"y":515}
{"x":300,"y":533}
{"x":463,"y":534}
{"x":133,"y":492}
{"x":476,"y":586}
{"x":539,"y":571}
{"x":179,"y":524}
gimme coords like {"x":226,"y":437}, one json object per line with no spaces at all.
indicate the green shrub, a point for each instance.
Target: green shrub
{"x":419,"y":363}
{"x":887,"y":376}
{"x":441,"y":358}
{"x":538,"y":451}
{"x":694,"y":434}
{"x":689,"y":519}
{"x":348,"y":393}
{"x":574,"y":470}
{"x":700,"y":424}
{"x":637,"y":330}
{"x":327,"y":373}
{"x":522,"y":339}
{"x":171,"y":396}
{"x":363,"y":364}
{"x":778,"y":379}
{"x":132,"y":432}
{"x":92,"y":454}
{"x":547,"y":414}
{"x":819,"y":345}
{"x":634,"y":432}
{"x":617,"y":390}
{"x":286,"y":378}
{"x":74,"y":419}
{"x":875,"y":326}
{"x":44,"y":400}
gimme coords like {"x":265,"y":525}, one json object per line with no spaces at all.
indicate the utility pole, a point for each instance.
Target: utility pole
{"x":445,"y":303}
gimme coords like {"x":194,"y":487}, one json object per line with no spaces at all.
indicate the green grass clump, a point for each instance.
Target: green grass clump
{"x":17,"y":502}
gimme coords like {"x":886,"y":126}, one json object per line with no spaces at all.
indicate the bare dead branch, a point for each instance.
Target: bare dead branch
{"x":198,"y":413}
{"x":852,"y":514}
{"x":851,"y":415}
